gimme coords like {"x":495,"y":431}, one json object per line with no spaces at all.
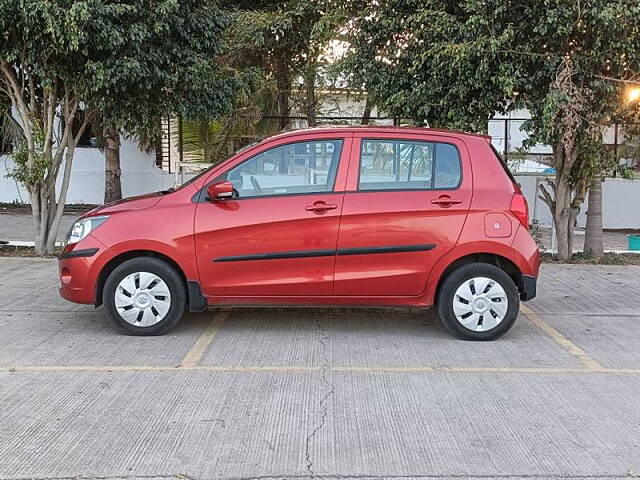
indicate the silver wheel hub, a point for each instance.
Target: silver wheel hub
{"x":142,"y":299}
{"x":480,"y":304}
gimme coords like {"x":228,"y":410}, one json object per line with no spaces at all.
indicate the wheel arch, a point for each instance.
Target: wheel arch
{"x":448,"y":265}
{"x":503,"y":263}
{"x":195,"y":299}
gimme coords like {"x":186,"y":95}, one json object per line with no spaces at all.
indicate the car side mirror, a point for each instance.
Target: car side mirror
{"x":220,"y":190}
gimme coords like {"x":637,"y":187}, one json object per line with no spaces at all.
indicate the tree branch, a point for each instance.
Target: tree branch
{"x":546,"y":196}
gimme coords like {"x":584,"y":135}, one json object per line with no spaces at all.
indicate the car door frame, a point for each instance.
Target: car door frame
{"x":338,"y":188}
{"x":466,"y":182}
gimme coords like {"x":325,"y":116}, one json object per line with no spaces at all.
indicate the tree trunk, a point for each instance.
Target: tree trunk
{"x":563,"y":215}
{"x":56,"y":206}
{"x":283,"y":84}
{"x":310,"y":90}
{"x":366,"y":115}
{"x":112,"y":187}
{"x":594,"y":238}
{"x":565,"y":199}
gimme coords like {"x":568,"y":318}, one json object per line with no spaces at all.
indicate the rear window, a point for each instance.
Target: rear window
{"x":408,"y":165}
{"x":505,"y":167}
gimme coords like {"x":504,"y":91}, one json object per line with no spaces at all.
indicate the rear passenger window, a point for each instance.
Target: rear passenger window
{"x":408,"y":165}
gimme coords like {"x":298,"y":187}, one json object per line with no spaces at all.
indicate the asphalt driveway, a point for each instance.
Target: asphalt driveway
{"x":327,"y":393}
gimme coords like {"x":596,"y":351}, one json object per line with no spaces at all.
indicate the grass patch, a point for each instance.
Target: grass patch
{"x":588,"y":259}
{"x":16,"y":251}
{"x":25,"y":208}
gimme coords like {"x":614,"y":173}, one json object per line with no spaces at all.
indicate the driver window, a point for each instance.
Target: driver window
{"x":303,"y":167}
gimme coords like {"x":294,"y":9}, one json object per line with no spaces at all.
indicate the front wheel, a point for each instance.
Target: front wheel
{"x":144,"y":296}
{"x":478,"y":301}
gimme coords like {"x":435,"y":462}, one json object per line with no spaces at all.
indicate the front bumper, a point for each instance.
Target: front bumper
{"x":77,"y":278}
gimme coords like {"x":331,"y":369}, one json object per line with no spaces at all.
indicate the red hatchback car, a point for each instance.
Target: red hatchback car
{"x":330,"y":216}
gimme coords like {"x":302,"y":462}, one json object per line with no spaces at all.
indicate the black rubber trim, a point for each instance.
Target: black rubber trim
{"x":327,"y":253}
{"x":277,"y":255}
{"x":529,"y":287}
{"x":86,"y":252}
{"x":390,"y":249}
{"x":197,"y":301}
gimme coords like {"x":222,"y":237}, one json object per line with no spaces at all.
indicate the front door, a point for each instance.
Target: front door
{"x":407,"y":202}
{"x":278,"y":235}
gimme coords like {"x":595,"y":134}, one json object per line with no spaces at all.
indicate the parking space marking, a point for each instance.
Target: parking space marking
{"x":561,"y":340}
{"x":193,"y":356}
{"x":312,"y":369}
{"x":191,"y":361}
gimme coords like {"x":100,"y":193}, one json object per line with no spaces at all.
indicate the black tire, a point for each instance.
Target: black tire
{"x":157,"y":267}
{"x":451,"y":284}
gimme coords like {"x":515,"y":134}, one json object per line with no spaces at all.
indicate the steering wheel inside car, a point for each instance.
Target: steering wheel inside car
{"x":256,"y":184}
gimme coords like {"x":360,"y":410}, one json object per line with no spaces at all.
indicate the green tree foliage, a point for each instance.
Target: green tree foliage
{"x":173,"y":51}
{"x":455,"y":64}
{"x":282,"y":45}
{"x":69,"y":61}
{"x":286,"y":39}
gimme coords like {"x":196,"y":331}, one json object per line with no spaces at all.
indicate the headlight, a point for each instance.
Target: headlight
{"x":83,"y":227}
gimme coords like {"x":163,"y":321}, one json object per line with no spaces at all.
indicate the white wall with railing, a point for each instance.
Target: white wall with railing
{"x":139,"y":175}
{"x":620,"y":201}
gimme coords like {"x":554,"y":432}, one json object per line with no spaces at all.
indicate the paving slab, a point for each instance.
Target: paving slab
{"x":610,"y":340}
{"x":31,"y":285}
{"x":88,"y":338}
{"x":597,"y":307}
{"x":588,"y":289}
{"x":40,"y":328}
{"x":286,"y":425}
{"x":372,"y":338}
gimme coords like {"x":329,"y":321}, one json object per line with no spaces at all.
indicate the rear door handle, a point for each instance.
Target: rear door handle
{"x":445,"y":201}
{"x":320,"y":207}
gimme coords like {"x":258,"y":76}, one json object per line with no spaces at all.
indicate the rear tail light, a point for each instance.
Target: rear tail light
{"x":520,"y":209}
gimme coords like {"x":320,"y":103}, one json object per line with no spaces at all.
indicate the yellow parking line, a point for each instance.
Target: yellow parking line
{"x":561,"y":340}
{"x":193,"y":356}
{"x":306,"y":369}
{"x":191,"y":361}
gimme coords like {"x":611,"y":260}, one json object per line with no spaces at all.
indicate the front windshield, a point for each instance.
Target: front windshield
{"x":208,"y":169}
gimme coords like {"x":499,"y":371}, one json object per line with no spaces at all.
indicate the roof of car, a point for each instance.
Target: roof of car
{"x":378,"y":128}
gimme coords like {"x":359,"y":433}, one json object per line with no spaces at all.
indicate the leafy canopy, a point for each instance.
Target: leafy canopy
{"x":456,"y":63}
{"x":132,"y":60}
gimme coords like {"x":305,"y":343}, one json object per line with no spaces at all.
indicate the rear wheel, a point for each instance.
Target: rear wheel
{"x":145,"y":296}
{"x":478,"y":301}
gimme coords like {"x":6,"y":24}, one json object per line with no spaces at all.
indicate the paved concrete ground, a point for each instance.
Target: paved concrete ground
{"x":19,"y":226}
{"x":326,"y":393}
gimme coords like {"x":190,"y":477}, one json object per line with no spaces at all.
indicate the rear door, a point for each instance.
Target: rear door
{"x":278,"y":235}
{"x":406,"y":203}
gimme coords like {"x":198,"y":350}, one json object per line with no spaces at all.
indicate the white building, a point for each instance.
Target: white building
{"x":147,"y":172}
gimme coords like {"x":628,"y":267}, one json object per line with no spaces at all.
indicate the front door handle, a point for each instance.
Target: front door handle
{"x":320,"y":207}
{"x":445,"y":201}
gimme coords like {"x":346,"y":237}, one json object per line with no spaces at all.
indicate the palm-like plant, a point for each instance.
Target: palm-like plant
{"x":213,"y":140}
